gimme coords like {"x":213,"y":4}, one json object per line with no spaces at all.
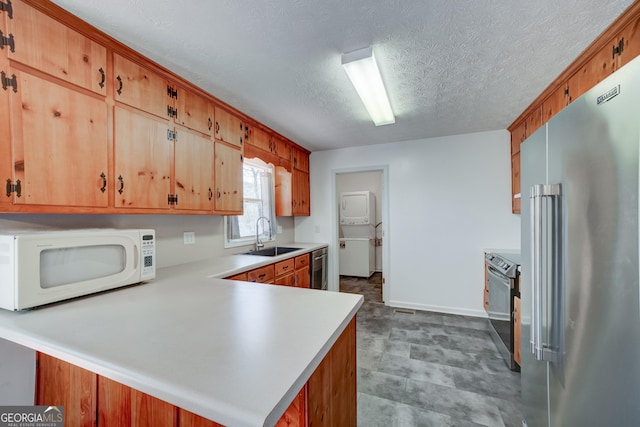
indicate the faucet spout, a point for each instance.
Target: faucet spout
{"x":259,"y":243}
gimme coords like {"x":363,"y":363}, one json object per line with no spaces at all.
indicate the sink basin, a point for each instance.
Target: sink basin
{"x":278,"y":250}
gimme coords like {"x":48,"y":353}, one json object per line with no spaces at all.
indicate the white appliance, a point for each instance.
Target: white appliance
{"x":357,"y":222}
{"x":357,"y":208}
{"x":357,"y":257}
{"x":41,"y":267}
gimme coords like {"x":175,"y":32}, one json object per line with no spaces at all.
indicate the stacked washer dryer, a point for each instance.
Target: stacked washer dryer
{"x":357,"y":225}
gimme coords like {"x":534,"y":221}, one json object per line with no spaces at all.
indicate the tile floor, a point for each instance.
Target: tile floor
{"x":428,"y":369}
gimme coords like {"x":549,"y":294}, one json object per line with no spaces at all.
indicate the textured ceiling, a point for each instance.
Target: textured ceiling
{"x":450,"y":66}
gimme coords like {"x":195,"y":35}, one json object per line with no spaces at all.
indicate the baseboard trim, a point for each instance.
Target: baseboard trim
{"x":438,"y":308}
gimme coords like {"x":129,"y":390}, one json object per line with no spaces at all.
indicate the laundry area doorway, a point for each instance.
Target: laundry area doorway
{"x":360,"y":232}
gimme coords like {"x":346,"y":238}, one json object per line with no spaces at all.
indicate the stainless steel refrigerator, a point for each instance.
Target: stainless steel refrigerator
{"x":579,"y":284}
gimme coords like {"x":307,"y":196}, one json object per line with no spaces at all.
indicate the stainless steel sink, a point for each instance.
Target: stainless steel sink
{"x":275,"y":251}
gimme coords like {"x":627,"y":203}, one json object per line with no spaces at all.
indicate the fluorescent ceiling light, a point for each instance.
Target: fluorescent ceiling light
{"x":362,"y":69}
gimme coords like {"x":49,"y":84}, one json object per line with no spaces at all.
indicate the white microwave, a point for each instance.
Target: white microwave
{"x":41,"y":267}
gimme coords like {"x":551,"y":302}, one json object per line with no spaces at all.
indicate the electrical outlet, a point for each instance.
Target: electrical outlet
{"x":279,"y":228}
{"x":189,"y":237}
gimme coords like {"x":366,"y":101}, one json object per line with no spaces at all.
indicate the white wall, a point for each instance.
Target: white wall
{"x":365,"y":181}
{"x":449,"y":198}
{"x":170,"y":247}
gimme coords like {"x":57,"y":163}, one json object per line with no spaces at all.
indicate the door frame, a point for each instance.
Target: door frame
{"x":335,"y":221}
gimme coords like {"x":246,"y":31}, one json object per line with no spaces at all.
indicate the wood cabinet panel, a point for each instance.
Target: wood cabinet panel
{"x":296,"y":413}
{"x":189,"y":419}
{"x":122,"y":406}
{"x":284,"y":267}
{"x":59,"y":383}
{"x":517,"y":136}
{"x":53,"y":48}
{"x":515,"y":182}
{"x":599,"y":67}
{"x":303,"y":278}
{"x":288,"y":279}
{"x":241,"y":276}
{"x":533,"y":123}
{"x":193,"y":185}
{"x":630,"y":37}
{"x":228,"y":179}
{"x":60,"y":147}
{"x":141,"y":88}
{"x":260,"y":139}
{"x":143,"y":156}
{"x":282,"y":148}
{"x":486,"y":287}
{"x":229,"y":128}
{"x":554,"y":103}
{"x":194,"y":112}
{"x":283,"y":191}
{"x":303,"y":261}
{"x":516,"y":330}
{"x":300,"y":159}
{"x":300,"y":185}
{"x":264,"y":274}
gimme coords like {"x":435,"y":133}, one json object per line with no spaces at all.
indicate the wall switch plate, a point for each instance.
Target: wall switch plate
{"x":189,"y":237}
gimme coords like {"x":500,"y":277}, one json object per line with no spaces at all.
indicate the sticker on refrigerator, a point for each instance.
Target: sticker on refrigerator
{"x":611,"y":93}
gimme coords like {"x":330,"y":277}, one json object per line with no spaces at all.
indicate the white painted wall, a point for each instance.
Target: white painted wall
{"x":170,"y":247}
{"x":449,"y":198}
{"x":364,"y":181}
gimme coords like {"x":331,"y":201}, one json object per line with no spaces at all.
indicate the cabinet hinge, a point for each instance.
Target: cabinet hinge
{"x":566,"y":91}
{"x":14,"y":188}
{"x":7,"y":7}
{"x":172,"y":112}
{"x":6,"y":81}
{"x":7,"y":41}
{"x":172,"y":135}
{"x":171,"y":92}
{"x":172,"y":199}
{"x":617,"y":50}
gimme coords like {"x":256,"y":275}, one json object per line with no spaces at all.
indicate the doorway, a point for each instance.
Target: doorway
{"x":362,"y":253}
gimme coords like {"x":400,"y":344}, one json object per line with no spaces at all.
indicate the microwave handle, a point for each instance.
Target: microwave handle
{"x":136,"y":255}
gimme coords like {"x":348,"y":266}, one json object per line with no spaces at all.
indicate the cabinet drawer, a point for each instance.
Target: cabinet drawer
{"x":261,"y":275}
{"x":241,"y":276}
{"x":302,"y":261}
{"x":288,"y":279}
{"x":284,"y":267}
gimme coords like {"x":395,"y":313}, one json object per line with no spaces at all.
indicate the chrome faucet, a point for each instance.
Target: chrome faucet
{"x":259,"y":243}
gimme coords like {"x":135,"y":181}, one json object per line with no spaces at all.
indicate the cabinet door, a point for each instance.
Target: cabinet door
{"x":286,"y":280}
{"x":516,"y":330}
{"x":533,"y":122}
{"x":143,"y":154}
{"x":53,"y":48}
{"x":122,"y":406}
{"x":193,"y":170}
{"x":261,"y":139}
{"x":598,"y":68}
{"x":554,"y":103}
{"x":300,"y":159}
{"x":60,"y":147}
{"x":194,"y":112}
{"x":229,"y":128}
{"x":141,"y":88}
{"x":284,"y":267}
{"x":283,"y":191}
{"x":517,"y":136}
{"x":630,"y":38}
{"x":228,"y":179}
{"x":296,"y":413}
{"x":186,"y":418}
{"x":303,"y":278}
{"x":486,"y":288}
{"x":264,"y":274}
{"x":239,"y":276}
{"x":59,"y":383}
{"x":301,"y":205}
{"x":283,"y":149}
{"x":515,"y":182}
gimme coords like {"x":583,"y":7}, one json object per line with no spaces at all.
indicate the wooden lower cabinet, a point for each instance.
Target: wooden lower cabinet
{"x":327,"y":399}
{"x":486,"y":287}
{"x":264,"y":274}
{"x":59,"y":383}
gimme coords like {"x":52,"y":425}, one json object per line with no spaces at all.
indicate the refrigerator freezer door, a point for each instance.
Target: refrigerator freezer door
{"x":593,"y":152}
{"x":533,"y":372}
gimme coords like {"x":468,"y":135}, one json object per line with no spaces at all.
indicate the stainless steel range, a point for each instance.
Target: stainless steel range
{"x":503,"y":272}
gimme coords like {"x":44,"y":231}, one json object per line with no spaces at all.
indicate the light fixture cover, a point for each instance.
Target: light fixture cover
{"x":362,"y":69}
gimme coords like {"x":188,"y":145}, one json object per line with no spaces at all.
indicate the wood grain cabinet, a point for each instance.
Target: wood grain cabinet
{"x":264,"y":274}
{"x":303,"y":271}
{"x":193,"y":111}
{"x":301,"y":193}
{"x":285,"y":272}
{"x":228,"y":179}
{"x":141,"y":88}
{"x":517,"y":325}
{"x":486,"y":287}
{"x":616,"y":46}
{"x":230,"y":128}
{"x":193,"y":186}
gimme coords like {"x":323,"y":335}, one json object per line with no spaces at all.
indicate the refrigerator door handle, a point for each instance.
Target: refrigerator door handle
{"x":539,"y":345}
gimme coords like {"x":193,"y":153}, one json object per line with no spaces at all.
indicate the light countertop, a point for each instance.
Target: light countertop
{"x":233,"y":352}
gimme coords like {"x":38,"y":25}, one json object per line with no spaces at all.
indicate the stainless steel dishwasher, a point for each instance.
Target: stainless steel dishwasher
{"x":319,"y":269}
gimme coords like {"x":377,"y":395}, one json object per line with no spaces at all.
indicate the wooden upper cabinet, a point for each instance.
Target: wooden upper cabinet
{"x":300,"y":159}
{"x":598,"y":68}
{"x":194,"y":112}
{"x":143,"y":155}
{"x":193,"y":185}
{"x":515,"y":183}
{"x":49,"y":46}
{"x":229,"y":128}
{"x":141,"y":88}
{"x":228,"y":179}
{"x":260,"y":139}
{"x":300,"y":187}
{"x":60,"y":147}
{"x":533,"y":122}
{"x":517,"y":137}
{"x":283,"y":191}
{"x":630,"y":39}
{"x":555,"y":102}
{"x":282,"y":148}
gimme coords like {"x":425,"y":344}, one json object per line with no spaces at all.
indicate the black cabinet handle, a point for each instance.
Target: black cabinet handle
{"x":119,"y":85}
{"x":121,"y":189}
{"x":104,"y":182}
{"x":104,"y":77}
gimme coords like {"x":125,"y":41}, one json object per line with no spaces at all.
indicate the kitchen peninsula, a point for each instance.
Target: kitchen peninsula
{"x":232,"y":352}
